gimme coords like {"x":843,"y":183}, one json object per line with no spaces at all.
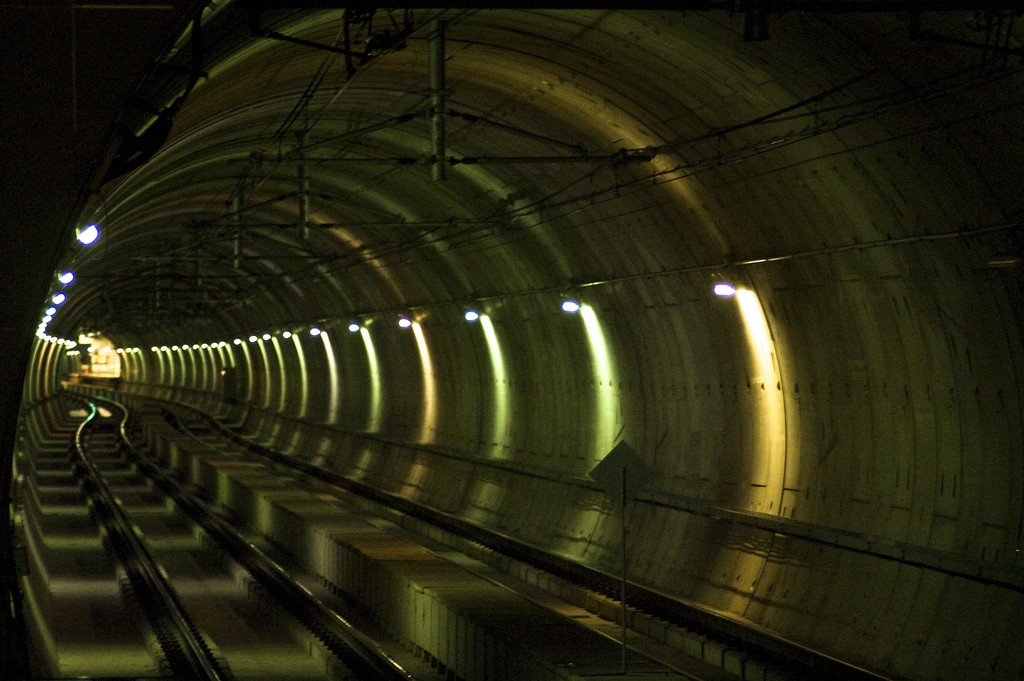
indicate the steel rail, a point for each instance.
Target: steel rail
{"x":186,"y":652}
{"x":357,"y":650}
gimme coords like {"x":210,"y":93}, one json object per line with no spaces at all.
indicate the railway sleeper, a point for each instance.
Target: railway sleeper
{"x":469,"y":628}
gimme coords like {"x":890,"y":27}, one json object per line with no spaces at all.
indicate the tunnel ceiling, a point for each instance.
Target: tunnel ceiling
{"x":581,"y":148}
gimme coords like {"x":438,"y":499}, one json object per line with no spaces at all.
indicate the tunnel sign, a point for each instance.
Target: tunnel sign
{"x":621,"y":467}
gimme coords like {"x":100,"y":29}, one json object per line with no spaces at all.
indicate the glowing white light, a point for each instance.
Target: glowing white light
{"x":237,"y":341}
{"x":353,"y":327}
{"x":472,"y":315}
{"x":405,"y":322}
{"x":164,"y":348}
{"x":266,"y":336}
{"x":48,"y":319}
{"x":286,"y":334}
{"x":88,"y":235}
{"x":314,"y":331}
{"x":724,"y":289}
{"x":51,"y":310}
{"x":154,"y":349}
{"x":59,"y":298}
{"x":570,"y":306}
{"x":66,"y":277}
{"x":253,"y":339}
{"x":174,"y":347}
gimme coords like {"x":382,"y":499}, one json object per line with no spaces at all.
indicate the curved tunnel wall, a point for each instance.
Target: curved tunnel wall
{"x":837,"y":448}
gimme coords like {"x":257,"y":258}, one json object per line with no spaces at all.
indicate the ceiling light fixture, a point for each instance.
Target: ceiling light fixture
{"x":724,"y":289}
{"x":88,"y":235}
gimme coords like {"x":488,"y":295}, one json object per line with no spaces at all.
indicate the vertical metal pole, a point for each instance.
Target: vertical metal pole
{"x":236,"y":246}
{"x":437,"y":99}
{"x":625,"y":629}
{"x":303,"y":200}
{"x":303,"y":195}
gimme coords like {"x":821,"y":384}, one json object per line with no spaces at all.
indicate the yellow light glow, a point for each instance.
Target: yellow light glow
{"x":303,"y":378}
{"x":180,"y":370}
{"x":428,"y":425}
{"x":334,"y":405}
{"x":769,"y":458}
{"x":188,"y":368}
{"x":213,"y":356}
{"x":226,"y":355}
{"x":282,"y":385}
{"x":373,"y":422}
{"x":608,"y":417}
{"x":205,"y":369}
{"x":500,"y":407}
{"x":248,"y":372}
{"x":266,"y":373}
{"x":162,"y":372}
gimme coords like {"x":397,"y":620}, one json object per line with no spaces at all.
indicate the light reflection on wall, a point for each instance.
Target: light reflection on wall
{"x":500,"y":416}
{"x":608,"y":416}
{"x":198,"y":362}
{"x":267,"y":385}
{"x":428,"y":424}
{"x":206,"y":369}
{"x":282,"y":391}
{"x":334,"y":404}
{"x":189,"y":369}
{"x":303,"y":378}
{"x":362,"y":467}
{"x":167,"y":370}
{"x":206,"y":359}
{"x":177,"y":359}
{"x":248,"y":372}
{"x":770,"y":443}
{"x":373,"y":422}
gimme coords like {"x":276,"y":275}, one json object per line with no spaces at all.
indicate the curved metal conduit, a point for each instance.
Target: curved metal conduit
{"x":358,"y":651}
{"x":181,"y":641}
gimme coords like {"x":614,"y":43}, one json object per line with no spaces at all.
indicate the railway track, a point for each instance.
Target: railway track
{"x":759,"y":650}
{"x":209,"y":605}
{"x":450,"y":599}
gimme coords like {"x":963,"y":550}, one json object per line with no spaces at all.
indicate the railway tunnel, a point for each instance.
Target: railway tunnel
{"x":463,"y":254}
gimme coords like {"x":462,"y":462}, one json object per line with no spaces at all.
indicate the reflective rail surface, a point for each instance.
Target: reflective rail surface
{"x":183,"y":645}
